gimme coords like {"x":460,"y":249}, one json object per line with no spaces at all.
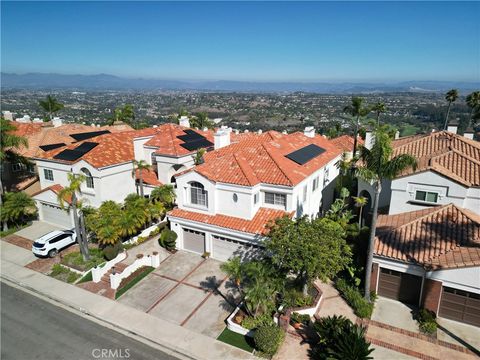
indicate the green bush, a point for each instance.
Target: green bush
{"x":268,"y":339}
{"x":110,"y":252}
{"x":63,"y":274}
{"x":168,"y":239}
{"x":250,"y":322}
{"x":293,"y":298}
{"x":300,"y":318}
{"x":355,"y":299}
{"x":426,"y":321}
{"x":75,"y":259}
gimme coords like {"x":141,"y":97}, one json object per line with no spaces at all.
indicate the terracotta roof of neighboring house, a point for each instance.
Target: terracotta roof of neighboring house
{"x":439,"y":237}
{"x":262,"y":159}
{"x":150,"y":177}
{"x":255,"y":226}
{"x":448,"y":154}
{"x":167,"y":142}
{"x":56,"y":188}
{"x":345,"y":142}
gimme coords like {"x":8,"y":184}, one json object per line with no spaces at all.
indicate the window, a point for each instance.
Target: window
{"x":426,"y":196}
{"x":198,"y":195}
{"x":18,"y":167}
{"x":235,"y":197}
{"x":315,"y":184}
{"x":255,"y":198}
{"x":88,"y":178}
{"x":31,"y":168}
{"x":305,"y":191}
{"x":276,"y":199}
{"x":58,"y":238}
{"x":325,"y":178}
{"x":48,"y":174}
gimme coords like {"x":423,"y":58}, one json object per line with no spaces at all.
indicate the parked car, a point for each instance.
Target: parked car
{"x":50,"y":244}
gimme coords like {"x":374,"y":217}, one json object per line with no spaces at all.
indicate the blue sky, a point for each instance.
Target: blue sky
{"x":266,"y":41}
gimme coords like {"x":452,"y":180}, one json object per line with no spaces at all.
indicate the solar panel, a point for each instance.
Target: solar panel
{"x":51,"y":146}
{"x":198,"y":144}
{"x":86,"y":147}
{"x":88,"y":135}
{"x":190,"y":135}
{"x":69,"y":155}
{"x":305,"y":154}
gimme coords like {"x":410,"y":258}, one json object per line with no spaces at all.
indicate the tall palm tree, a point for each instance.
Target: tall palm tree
{"x":377,"y":164}
{"x":473,"y":102}
{"x":451,"y":96}
{"x":164,"y":194}
{"x":356,"y":110}
{"x":379,"y":108}
{"x":50,"y":105}
{"x":69,"y":194}
{"x":141,"y":166}
{"x":360,"y":202}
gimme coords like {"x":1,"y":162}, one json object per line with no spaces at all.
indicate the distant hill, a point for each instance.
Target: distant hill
{"x":111,"y":82}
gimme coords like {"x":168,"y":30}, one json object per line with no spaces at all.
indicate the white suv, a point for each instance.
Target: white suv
{"x":50,"y":244}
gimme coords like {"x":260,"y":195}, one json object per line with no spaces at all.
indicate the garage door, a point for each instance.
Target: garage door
{"x":224,"y":248}
{"x":56,"y":215}
{"x":460,"y":306}
{"x":399,"y":286}
{"x":194,"y":241}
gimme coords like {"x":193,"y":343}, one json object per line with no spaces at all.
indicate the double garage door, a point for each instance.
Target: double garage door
{"x":56,"y":215}
{"x":460,"y":306}
{"x":399,"y":286}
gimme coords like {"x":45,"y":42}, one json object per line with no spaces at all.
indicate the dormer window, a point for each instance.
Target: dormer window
{"x":198,"y":194}
{"x":88,"y":178}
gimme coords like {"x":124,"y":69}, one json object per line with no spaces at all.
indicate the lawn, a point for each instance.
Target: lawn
{"x":133,"y":279}
{"x":240,"y":341}
{"x":75,"y":259}
{"x":87,"y":277}
{"x":61,"y":273}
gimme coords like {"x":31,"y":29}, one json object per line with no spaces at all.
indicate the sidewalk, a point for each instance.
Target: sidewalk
{"x":163,"y":333}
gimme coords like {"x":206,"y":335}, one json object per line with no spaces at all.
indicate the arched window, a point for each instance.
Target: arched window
{"x":89,"y":178}
{"x":198,"y":195}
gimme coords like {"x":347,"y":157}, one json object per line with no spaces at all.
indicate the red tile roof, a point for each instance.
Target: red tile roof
{"x":448,"y":154}
{"x":345,"y":142}
{"x":262,"y":159}
{"x":150,"y":177}
{"x":56,"y":188}
{"x":439,"y":237}
{"x":255,"y":226}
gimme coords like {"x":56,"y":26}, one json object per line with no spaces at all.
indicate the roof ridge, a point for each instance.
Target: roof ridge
{"x":440,"y":208}
{"x":241,"y":165}
{"x":276,"y":163}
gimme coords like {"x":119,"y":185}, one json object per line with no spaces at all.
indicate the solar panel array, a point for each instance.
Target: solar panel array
{"x":305,"y":154}
{"x":89,"y":135}
{"x":51,"y":146}
{"x":78,"y":152}
{"x":193,"y":140}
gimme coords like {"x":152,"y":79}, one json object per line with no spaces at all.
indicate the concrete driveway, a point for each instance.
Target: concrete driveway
{"x":394,"y":313}
{"x":37,"y":229}
{"x":186,"y":290}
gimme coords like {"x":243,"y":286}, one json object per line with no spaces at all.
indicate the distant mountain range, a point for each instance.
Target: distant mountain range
{"x":111,"y":82}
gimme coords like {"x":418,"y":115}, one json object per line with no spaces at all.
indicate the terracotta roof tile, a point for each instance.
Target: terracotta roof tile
{"x":56,"y":188}
{"x":255,"y":226}
{"x":345,"y":142}
{"x":150,"y":177}
{"x":438,"y":237}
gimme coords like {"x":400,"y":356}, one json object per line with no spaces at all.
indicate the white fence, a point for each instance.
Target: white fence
{"x":145,"y":233}
{"x":148,"y":260}
{"x":99,"y":271}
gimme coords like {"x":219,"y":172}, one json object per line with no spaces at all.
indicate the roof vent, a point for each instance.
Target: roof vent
{"x":309,"y":131}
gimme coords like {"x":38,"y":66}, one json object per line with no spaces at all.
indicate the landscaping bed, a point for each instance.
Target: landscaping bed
{"x":61,"y":273}
{"x":75,"y":260}
{"x":133,"y":279}
{"x":352,"y":295}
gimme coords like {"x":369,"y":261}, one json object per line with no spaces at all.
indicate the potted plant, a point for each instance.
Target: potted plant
{"x":155,"y":253}
{"x":139,"y":256}
{"x":206,"y":255}
{"x":295,"y":320}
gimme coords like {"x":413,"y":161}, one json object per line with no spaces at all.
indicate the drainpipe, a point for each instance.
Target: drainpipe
{"x":421,"y":288}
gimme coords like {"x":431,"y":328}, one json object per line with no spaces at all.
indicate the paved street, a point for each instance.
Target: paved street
{"x":34,"y":329}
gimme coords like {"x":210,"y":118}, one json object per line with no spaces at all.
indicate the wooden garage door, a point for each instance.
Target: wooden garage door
{"x":399,"y":286}
{"x":460,"y":305}
{"x":194,"y":241}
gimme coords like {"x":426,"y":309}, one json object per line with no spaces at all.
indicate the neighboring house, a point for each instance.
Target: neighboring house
{"x":225,"y":204}
{"x":431,"y":258}
{"x":448,"y":171}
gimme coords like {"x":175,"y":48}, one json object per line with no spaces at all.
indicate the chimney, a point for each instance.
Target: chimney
{"x":155,"y":126}
{"x":309,"y":131}
{"x":221,"y":139}
{"x":397,"y":135}
{"x":184,"y":121}
{"x":246,"y":131}
{"x":37,"y":120}
{"x":8,"y":115}
{"x":24,"y":119}
{"x":56,"y":122}
{"x":260,"y":131}
{"x":369,"y":138}
{"x":284,"y":132}
{"x":452,"y":127}
{"x":469,"y":133}
{"x":93,"y":125}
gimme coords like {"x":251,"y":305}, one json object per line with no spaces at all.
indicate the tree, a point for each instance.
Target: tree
{"x":379,"y":108}
{"x":308,"y":248}
{"x":141,"y":166}
{"x":125,"y":114}
{"x":17,"y":206}
{"x":234,"y":270}
{"x":356,"y":110}
{"x":105,"y":223}
{"x":198,"y":157}
{"x":378,"y":165}
{"x":473,"y":102}
{"x":360,"y":202}
{"x":50,"y":105}
{"x":164,"y":194}
{"x":201,"y":120}
{"x":69,"y":194}
{"x":451,"y":96}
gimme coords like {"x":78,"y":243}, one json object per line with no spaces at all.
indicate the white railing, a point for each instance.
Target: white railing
{"x":99,"y":271}
{"x":144,"y":233}
{"x":148,"y":260}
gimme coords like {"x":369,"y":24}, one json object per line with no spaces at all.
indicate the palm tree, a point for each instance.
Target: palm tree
{"x":473,"y":102}
{"x":164,"y":194}
{"x":379,"y":108}
{"x":201,"y":121}
{"x":125,"y":114}
{"x":234,"y":269}
{"x":378,"y":165}
{"x":451,"y":97}
{"x":360,"y":202}
{"x":69,"y":194}
{"x":105,"y":223}
{"x":356,"y":110}
{"x":50,"y":105}
{"x":198,"y":157}
{"x":16,"y":207}
{"x":140,"y":166}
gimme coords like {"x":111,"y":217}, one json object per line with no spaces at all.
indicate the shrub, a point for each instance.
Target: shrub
{"x":426,"y":321}
{"x":75,"y":259}
{"x":355,"y":299}
{"x":110,"y":252}
{"x":293,"y":298}
{"x":268,"y":339}
{"x":300,"y":318}
{"x":250,"y":322}
{"x":168,"y":239}
{"x":140,"y":240}
{"x":63,"y":274}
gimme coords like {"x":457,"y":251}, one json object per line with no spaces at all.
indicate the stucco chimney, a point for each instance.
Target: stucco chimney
{"x":260,"y":131}
{"x":309,"y":131}
{"x":221,"y":139}
{"x":397,"y":135}
{"x":184,"y":121}
{"x":8,"y":115}
{"x":469,"y":133}
{"x":452,"y":127}
{"x":369,"y":138}
{"x":56,"y":122}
